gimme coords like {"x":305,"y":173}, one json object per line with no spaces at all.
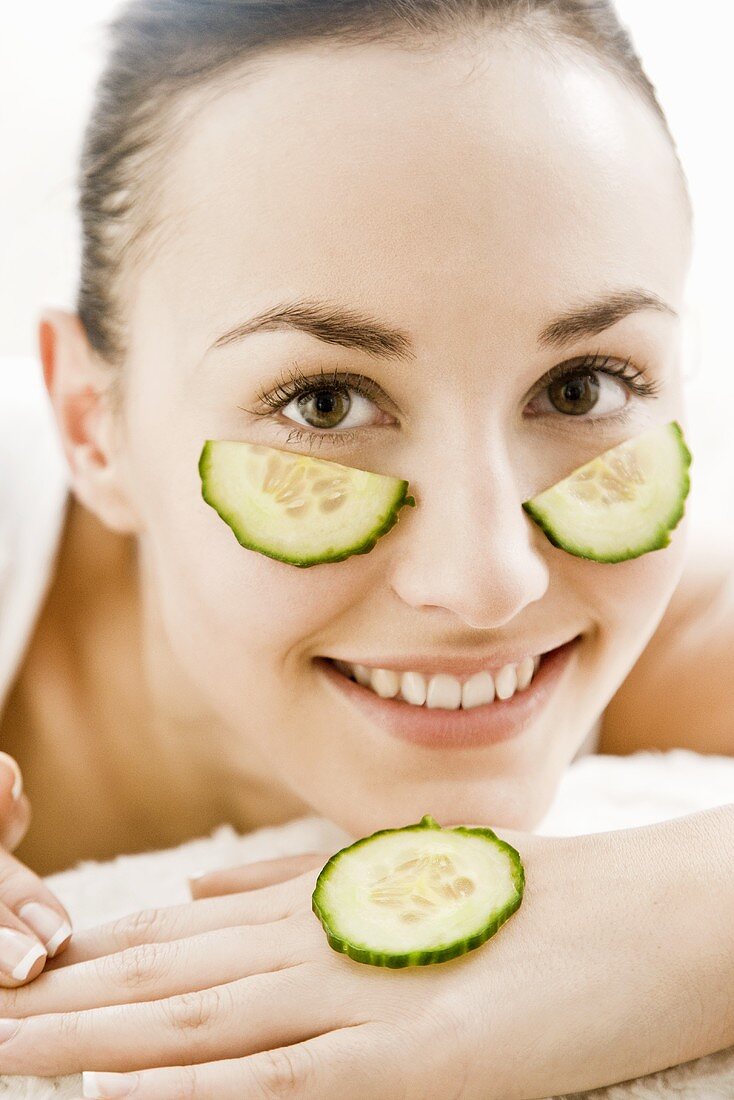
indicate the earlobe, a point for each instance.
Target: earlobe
{"x":79,"y":387}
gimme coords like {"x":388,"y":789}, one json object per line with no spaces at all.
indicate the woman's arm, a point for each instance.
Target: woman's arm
{"x":619,"y":963}
{"x":680,"y":692}
{"x":642,"y":964}
{"x":671,"y":1000}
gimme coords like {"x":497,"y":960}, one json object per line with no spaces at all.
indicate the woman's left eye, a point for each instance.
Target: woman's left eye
{"x":590,"y":385}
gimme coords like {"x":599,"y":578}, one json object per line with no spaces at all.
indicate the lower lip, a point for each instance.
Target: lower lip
{"x":439,"y":728}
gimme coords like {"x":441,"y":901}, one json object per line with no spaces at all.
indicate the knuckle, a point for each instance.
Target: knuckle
{"x":10,"y":1000}
{"x":135,"y":928}
{"x":68,"y":1032}
{"x":286,"y":1071}
{"x":138,"y":967}
{"x":17,"y":882}
{"x":196,"y":1010}
{"x":288,"y":938}
{"x":184,"y":1084}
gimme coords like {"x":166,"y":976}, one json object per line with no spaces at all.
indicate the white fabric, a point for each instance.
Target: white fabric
{"x":34,"y":490}
{"x":597,"y":793}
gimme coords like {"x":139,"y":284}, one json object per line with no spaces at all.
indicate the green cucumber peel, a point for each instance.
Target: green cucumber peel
{"x":457,"y":888}
{"x":621,"y":504}
{"x":295,"y":508}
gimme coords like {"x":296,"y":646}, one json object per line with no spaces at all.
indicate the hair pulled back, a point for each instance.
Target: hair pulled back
{"x":162,"y":51}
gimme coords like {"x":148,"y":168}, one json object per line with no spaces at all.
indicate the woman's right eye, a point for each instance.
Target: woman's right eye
{"x":327,"y":404}
{"x":331,"y":407}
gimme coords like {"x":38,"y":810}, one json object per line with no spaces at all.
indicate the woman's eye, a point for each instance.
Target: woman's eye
{"x":577,"y":394}
{"x":329,"y":407}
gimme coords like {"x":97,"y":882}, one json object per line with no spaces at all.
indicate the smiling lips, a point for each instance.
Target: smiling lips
{"x":443,"y":690}
{"x":461,"y":685}
{"x":433,"y":724}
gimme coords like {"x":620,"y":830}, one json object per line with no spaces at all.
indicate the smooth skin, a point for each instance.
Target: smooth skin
{"x":240,"y":996}
{"x":420,"y":194}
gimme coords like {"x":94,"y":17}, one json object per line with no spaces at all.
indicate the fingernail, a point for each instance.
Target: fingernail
{"x":8,"y":1028}
{"x":46,"y":923}
{"x":108,"y":1084}
{"x":18,"y":784}
{"x":18,"y":953}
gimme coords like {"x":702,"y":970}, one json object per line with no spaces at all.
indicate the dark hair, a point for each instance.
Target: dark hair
{"x":162,"y":49}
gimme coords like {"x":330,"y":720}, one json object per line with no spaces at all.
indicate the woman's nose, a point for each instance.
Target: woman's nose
{"x":471,"y":549}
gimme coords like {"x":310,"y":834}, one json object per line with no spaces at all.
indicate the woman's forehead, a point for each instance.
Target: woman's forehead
{"x":510,"y":175}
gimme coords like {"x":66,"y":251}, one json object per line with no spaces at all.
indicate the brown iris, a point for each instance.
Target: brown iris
{"x":576,"y":395}
{"x":324,"y":408}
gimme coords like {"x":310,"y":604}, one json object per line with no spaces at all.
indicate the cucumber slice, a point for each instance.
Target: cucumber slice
{"x":418,"y":895}
{"x":295,"y":508}
{"x":623,"y":503}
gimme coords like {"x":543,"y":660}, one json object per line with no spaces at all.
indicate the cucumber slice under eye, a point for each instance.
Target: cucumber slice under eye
{"x":621,"y":504}
{"x":418,"y":895}
{"x":295,"y":508}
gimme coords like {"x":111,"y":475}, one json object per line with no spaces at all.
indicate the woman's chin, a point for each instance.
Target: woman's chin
{"x":449,"y":809}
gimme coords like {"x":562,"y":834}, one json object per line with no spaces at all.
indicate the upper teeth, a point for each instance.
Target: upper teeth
{"x":443,"y":690}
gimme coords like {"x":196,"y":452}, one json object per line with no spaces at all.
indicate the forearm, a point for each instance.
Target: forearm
{"x":694,"y":876}
{"x":628,"y":937}
{"x":671,"y":948}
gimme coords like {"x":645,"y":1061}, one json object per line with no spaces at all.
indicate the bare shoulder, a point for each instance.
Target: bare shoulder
{"x":680,"y":692}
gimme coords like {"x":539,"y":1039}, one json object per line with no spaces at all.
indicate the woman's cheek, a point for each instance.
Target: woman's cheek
{"x":628,"y":599}
{"x":234,"y":610}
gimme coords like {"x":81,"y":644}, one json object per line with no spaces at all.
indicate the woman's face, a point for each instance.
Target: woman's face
{"x":467,"y":197}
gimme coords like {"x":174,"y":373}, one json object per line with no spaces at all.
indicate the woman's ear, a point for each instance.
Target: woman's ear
{"x":79,"y":386}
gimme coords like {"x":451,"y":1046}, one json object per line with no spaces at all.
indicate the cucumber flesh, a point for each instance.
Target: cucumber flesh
{"x":295,"y":508}
{"x":621,"y":504}
{"x":418,"y":895}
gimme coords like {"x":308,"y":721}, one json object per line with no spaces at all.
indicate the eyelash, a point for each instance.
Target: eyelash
{"x":297,"y":383}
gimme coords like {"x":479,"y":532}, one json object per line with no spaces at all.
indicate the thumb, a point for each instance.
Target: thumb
{"x":15,"y":809}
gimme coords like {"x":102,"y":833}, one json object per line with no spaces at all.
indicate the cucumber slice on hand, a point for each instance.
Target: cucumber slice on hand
{"x":623,"y":503}
{"x":295,"y":508}
{"x":418,"y":895}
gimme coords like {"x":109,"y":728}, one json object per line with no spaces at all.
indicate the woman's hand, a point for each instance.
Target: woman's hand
{"x":240,"y":995}
{"x":34,"y":924}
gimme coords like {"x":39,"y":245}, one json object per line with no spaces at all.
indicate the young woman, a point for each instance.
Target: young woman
{"x":445,"y":240}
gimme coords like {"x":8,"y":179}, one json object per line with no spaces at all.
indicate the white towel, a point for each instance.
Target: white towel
{"x":597,"y":793}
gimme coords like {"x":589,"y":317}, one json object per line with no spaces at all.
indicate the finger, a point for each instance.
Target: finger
{"x":155,"y":970}
{"x":15,"y":821}
{"x":175,"y":922}
{"x":34,"y":908}
{"x":10,"y":771}
{"x":15,"y":811}
{"x":224,"y":1021}
{"x":347,"y":1062}
{"x":253,"y":876}
{"x":22,"y":956}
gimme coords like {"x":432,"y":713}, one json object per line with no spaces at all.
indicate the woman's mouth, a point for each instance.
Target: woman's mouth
{"x":446,"y":711}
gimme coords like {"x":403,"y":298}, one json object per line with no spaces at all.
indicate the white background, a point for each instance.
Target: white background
{"x":50,"y":54}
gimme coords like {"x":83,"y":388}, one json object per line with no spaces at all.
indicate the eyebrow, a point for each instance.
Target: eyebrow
{"x":333,"y":324}
{"x":594,"y":317}
{"x":349,"y":328}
